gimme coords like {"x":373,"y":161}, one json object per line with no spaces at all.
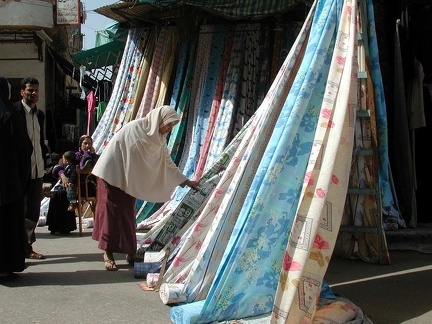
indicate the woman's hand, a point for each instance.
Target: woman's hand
{"x":64,"y":179}
{"x":191,"y":184}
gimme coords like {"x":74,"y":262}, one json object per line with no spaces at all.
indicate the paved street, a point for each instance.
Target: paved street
{"x":72,"y":286}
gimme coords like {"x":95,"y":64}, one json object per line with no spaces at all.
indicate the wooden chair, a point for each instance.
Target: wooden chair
{"x":86,"y":193}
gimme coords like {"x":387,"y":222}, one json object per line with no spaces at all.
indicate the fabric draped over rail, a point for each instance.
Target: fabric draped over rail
{"x":273,"y":164}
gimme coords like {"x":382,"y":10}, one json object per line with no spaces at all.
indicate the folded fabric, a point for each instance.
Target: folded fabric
{"x":171,"y":293}
{"x":187,"y":313}
{"x":335,"y":313}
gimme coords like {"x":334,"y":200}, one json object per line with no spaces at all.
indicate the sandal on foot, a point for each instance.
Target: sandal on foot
{"x":110,"y":265}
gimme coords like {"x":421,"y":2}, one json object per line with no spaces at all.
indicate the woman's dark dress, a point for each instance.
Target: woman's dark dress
{"x":58,"y":218}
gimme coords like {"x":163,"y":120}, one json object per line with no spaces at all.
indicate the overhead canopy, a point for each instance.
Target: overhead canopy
{"x":69,"y":69}
{"x":105,"y":55}
{"x":160,"y":12}
{"x":241,"y":8}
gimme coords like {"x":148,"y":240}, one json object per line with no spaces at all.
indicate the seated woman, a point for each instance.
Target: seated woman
{"x":59,"y":218}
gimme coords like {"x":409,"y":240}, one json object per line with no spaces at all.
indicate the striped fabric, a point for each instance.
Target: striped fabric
{"x":244,"y":8}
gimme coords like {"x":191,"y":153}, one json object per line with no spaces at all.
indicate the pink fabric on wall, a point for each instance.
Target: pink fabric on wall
{"x":91,"y":108}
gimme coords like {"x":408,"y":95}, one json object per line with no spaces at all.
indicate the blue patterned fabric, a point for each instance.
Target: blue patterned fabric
{"x":247,"y":277}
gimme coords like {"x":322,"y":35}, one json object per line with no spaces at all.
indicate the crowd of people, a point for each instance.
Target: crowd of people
{"x":134,"y":165}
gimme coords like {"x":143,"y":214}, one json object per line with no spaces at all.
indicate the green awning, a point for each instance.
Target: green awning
{"x":105,"y":55}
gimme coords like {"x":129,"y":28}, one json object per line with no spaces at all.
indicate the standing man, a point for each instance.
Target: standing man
{"x":14,"y":175}
{"x":35,"y":119}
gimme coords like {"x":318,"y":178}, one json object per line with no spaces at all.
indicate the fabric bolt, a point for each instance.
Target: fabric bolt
{"x":264,"y":82}
{"x":210,"y":68}
{"x":102,"y":133}
{"x":100,"y":110}
{"x":191,"y":201}
{"x":203,"y":268}
{"x":144,"y":70}
{"x":153,"y":84}
{"x":389,"y":209}
{"x":177,"y":134}
{"x":128,"y":110}
{"x":416,"y":103}
{"x":169,"y":293}
{"x":180,"y":82}
{"x":91,"y":106}
{"x":215,"y":105}
{"x":168,"y":66}
{"x":198,"y":112}
{"x":216,"y":220}
{"x":402,"y":155}
{"x":230,"y":99}
{"x":125,"y":109}
{"x":293,"y":133}
{"x":248,"y":92}
{"x":187,"y":314}
{"x":316,"y":225}
{"x":336,"y":313}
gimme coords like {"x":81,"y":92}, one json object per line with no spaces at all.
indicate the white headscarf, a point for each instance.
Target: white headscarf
{"x":137,"y":161}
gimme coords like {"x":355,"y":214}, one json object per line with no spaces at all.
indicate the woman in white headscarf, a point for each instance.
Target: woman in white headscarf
{"x":134,"y":165}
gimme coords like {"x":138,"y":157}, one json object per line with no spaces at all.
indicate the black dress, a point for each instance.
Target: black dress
{"x":59,"y":219}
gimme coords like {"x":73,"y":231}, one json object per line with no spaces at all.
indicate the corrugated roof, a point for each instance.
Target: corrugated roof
{"x":153,"y":12}
{"x":129,"y":11}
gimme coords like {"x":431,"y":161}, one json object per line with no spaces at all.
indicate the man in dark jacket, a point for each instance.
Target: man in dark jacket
{"x":35,"y":119}
{"x":14,"y":175}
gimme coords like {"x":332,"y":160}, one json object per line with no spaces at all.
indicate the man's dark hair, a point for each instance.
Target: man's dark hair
{"x":29,"y":80}
{"x":69,"y":156}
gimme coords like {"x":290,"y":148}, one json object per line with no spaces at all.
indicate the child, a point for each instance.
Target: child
{"x":68,"y":168}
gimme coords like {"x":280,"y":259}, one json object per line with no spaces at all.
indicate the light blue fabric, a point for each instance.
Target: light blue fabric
{"x":388,"y":201}
{"x":247,"y":277}
{"x":187,"y":314}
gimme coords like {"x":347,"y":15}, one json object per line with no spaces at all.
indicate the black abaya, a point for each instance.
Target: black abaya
{"x":58,"y":218}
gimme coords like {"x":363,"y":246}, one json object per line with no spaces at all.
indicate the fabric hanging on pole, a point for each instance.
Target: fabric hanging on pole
{"x":197,"y":113}
{"x":316,"y":225}
{"x":229,"y":98}
{"x":161,"y":55}
{"x":127,"y":105}
{"x":388,"y":196}
{"x":91,"y":108}
{"x":292,"y":137}
{"x":403,"y":166}
{"x":174,"y":217}
{"x":217,"y":97}
{"x":102,"y":133}
{"x":216,"y":221}
{"x":260,"y":235}
{"x":144,"y":71}
{"x":177,"y":134}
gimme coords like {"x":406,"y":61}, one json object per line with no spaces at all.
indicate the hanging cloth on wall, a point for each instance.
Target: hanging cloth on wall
{"x":91,"y":108}
{"x":402,"y":152}
{"x":101,"y":133}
